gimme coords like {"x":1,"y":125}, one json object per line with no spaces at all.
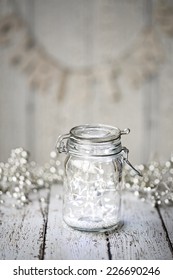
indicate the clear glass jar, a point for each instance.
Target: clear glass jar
{"x":93,"y":176}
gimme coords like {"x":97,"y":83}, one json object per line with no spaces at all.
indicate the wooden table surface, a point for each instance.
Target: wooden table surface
{"x":38,"y":232}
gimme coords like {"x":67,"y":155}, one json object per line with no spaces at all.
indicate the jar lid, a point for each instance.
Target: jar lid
{"x":97,"y":133}
{"x":92,"y":140}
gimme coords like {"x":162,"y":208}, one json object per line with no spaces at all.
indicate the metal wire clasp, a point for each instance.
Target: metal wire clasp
{"x":128,"y":162}
{"x":61,"y":143}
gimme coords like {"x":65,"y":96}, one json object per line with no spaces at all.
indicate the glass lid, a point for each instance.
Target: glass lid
{"x":97,"y":133}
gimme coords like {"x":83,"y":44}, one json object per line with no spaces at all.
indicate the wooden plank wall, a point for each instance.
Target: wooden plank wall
{"x":79,"y":33}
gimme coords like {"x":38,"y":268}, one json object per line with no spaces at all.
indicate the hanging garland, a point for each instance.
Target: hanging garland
{"x":164,"y":17}
{"x":139,"y":63}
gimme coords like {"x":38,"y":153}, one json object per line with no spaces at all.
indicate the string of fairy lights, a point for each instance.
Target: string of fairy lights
{"x":20,"y":178}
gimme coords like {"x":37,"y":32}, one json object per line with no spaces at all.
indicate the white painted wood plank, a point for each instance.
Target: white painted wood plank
{"x":62,"y":242}
{"x":167,"y":216}
{"x":165,"y":146}
{"x":22,"y":231}
{"x":12,"y":107}
{"x":142,"y":236}
{"x":15,"y":108}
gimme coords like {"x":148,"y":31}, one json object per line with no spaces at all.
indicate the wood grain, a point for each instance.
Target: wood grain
{"x":62,"y":242}
{"x":38,"y":232}
{"x":22,"y":231}
{"x":142,"y":236}
{"x":167,"y":220}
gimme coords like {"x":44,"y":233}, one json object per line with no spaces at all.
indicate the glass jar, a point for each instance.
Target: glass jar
{"x":93,"y":176}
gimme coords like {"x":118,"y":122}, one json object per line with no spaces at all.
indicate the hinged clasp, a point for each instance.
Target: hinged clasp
{"x":128,"y":162}
{"x":61,"y":143}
